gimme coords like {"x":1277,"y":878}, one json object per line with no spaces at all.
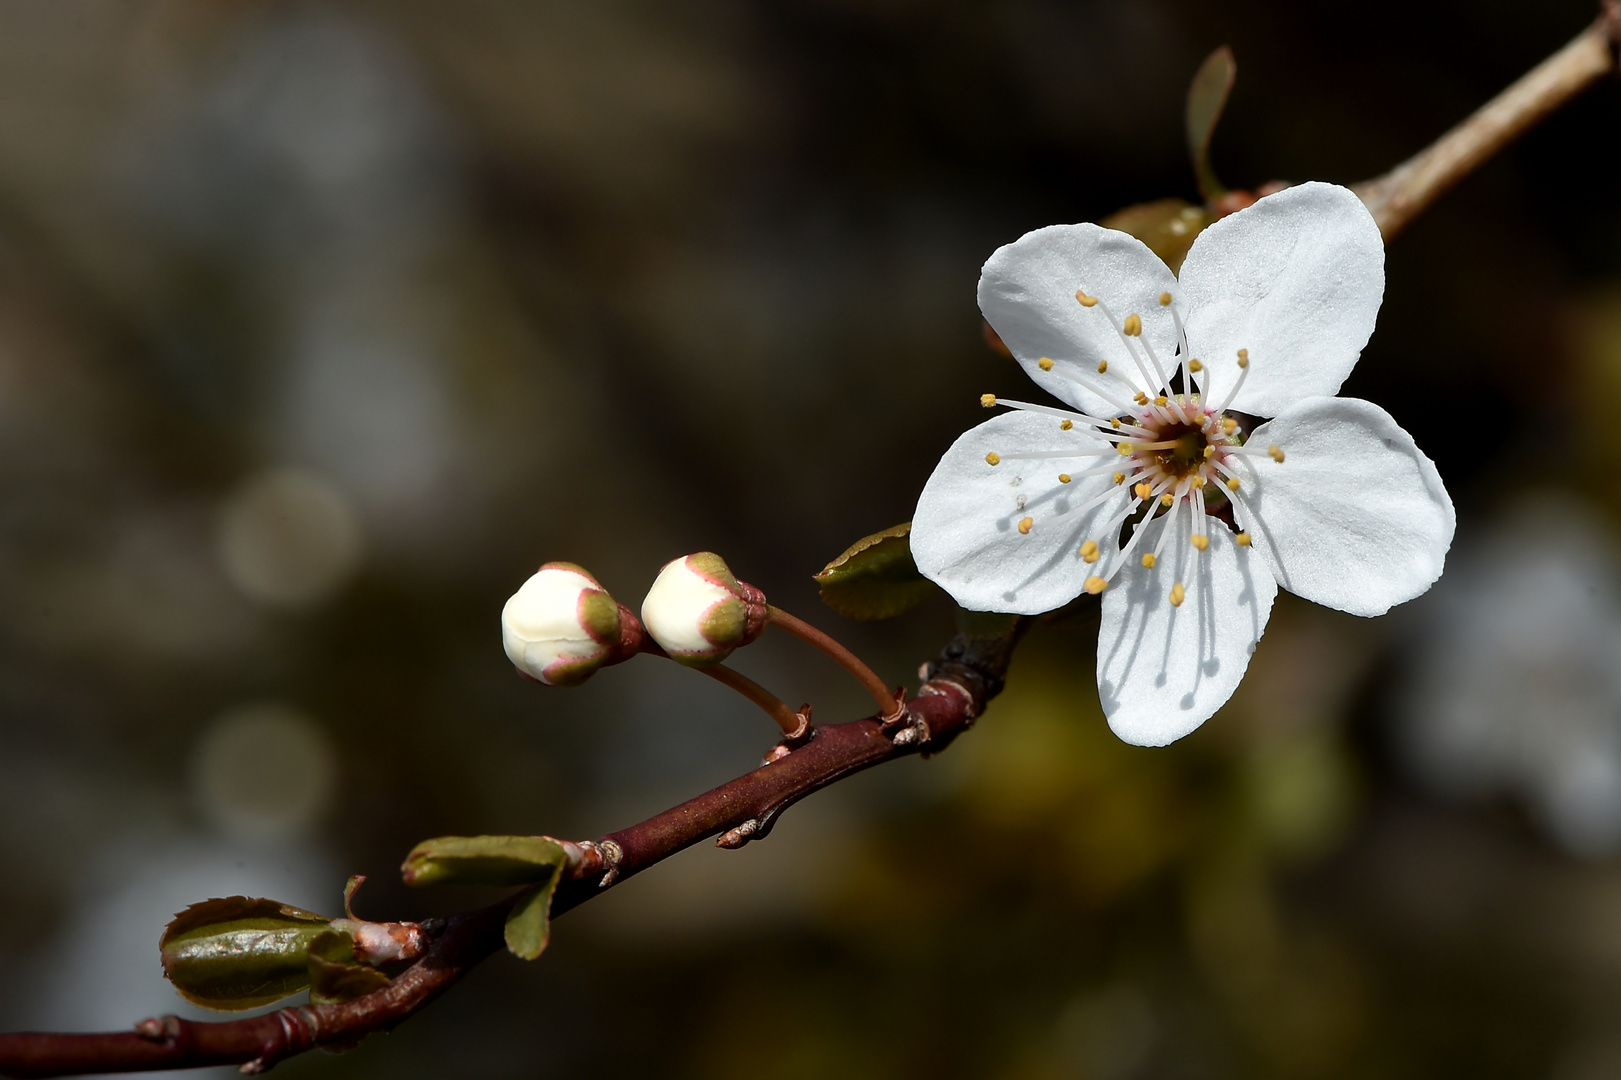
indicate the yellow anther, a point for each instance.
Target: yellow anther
{"x":1229,"y":425}
{"x":1140,"y":398}
{"x":1124,"y":448}
{"x":1232,"y":483}
{"x":1142,"y":490}
{"x":1115,"y":422}
{"x":1148,"y":561}
{"x":1095,"y":585}
{"x":993,"y":458}
{"x":1209,"y":451}
{"x":1243,"y":539}
{"x":1195,"y":365}
{"x":987,"y":400}
{"x":1103,"y":366}
{"x":1045,"y":363}
{"x":1133,"y":325}
{"x":1164,"y":299}
{"x":1025,"y":524}
{"x":1161,"y":401}
{"x":1200,"y":482}
{"x":1120,"y":478}
{"x":1201,"y":541}
{"x":1275,"y":452}
{"x":1178,"y":594}
{"x":1243,"y":358}
{"x":1066,"y":425}
{"x":1089,"y":551}
{"x":1166,"y":500}
{"x":1086,"y":301}
{"x":1064,"y":478}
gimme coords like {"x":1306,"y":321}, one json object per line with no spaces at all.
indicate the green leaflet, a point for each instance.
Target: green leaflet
{"x":238,"y":952}
{"x":498,"y":860}
{"x":334,"y":973}
{"x":1207,"y":97}
{"x":875,"y":578}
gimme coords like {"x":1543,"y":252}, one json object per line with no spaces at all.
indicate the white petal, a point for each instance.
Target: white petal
{"x":1163,"y":670}
{"x":1296,"y":279}
{"x":1027,"y":292}
{"x":1355,"y":517}
{"x":965,"y":535}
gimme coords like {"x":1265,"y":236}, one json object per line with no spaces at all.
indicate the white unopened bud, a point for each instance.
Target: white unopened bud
{"x":560,"y":626}
{"x":699,"y":612}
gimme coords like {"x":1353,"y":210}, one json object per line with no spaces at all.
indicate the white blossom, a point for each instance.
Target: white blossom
{"x":699,"y":612}
{"x":1157,"y":487}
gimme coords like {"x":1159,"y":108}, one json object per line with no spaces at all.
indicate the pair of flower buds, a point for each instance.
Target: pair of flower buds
{"x":561,"y":625}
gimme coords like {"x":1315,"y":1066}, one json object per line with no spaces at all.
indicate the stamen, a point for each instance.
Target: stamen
{"x":1166,"y":499}
{"x":1065,"y":425}
{"x":1143,"y":490}
{"x":1148,"y":561}
{"x":1242,"y":539}
{"x":1095,"y":584}
{"x":1196,"y":365}
{"x":1103,"y":367}
{"x":993,"y":458}
{"x":1232,"y":484}
{"x":1089,"y":551}
{"x":1243,"y":373}
{"x":1164,"y":299}
{"x":1275,"y":453}
{"x":1178,"y":594}
{"x":1119,"y":478}
{"x":1025,"y":524}
{"x":1133,"y":326}
{"x":1201,"y":541}
{"x":1086,"y":301}
{"x":1045,"y":363}
{"x":1063,"y":478}
{"x":1161,"y":401}
{"x":1228,"y":425}
{"x":987,"y":400}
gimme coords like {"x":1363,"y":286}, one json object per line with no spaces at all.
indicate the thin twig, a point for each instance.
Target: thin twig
{"x":1404,"y":192}
{"x":966,"y":676}
{"x":889,"y":705}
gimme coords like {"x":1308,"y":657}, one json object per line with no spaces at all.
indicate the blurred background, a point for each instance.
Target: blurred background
{"x":323,"y":324}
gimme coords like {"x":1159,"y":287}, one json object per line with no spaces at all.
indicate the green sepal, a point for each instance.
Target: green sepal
{"x":238,"y":952}
{"x":334,"y":972}
{"x":876,"y":577}
{"x":1207,"y":97}
{"x":483,"y":860}
{"x":1167,"y":226}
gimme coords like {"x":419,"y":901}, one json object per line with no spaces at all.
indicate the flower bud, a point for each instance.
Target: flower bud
{"x":560,"y":626}
{"x":699,"y":612}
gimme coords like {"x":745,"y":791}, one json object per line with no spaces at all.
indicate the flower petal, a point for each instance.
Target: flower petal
{"x":1355,"y":517}
{"x":1027,"y":292}
{"x":1163,"y":670}
{"x":1296,"y":279}
{"x":1007,"y":537}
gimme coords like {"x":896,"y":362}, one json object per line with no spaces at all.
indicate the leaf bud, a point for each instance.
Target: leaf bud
{"x":561,"y":625}
{"x":699,"y":612}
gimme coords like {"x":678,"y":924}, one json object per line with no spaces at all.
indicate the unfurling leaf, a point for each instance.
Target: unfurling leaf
{"x":1167,"y":226}
{"x":876,"y":577}
{"x":529,"y":925}
{"x":238,"y":952}
{"x":483,"y":860}
{"x":1207,"y":97}
{"x":335,"y":974}
{"x":498,"y":860}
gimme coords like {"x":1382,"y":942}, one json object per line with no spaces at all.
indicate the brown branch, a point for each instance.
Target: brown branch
{"x":1406,"y":191}
{"x":965,"y":677}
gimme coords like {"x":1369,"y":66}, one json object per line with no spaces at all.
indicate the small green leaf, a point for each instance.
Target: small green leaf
{"x":1167,"y":226}
{"x":876,"y":577}
{"x":238,"y":952}
{"x":1207,"y":97}
{"x":529,"y":925}
{"x":334,"y":973}
{"x":483,"y":860}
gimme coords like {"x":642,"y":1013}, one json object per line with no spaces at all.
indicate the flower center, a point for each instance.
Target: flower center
{"x":1175,"y":444}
